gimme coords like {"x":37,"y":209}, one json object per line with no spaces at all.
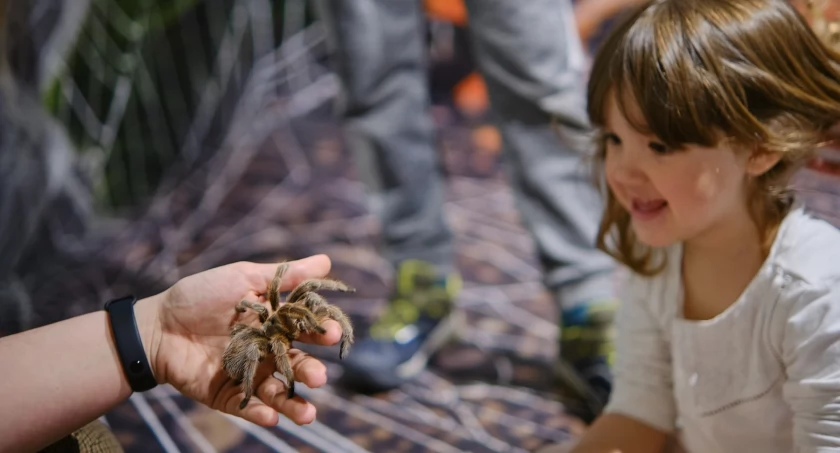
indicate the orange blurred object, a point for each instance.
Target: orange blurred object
{"x":487,"y":139}
{"x":453,"y":11}
{"x":470,"y":94}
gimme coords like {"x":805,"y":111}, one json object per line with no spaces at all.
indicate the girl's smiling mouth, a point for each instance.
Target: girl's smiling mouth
{"x":649,"y":209}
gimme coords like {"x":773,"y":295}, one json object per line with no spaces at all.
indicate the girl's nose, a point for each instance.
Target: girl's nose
{"x":624,"y":168}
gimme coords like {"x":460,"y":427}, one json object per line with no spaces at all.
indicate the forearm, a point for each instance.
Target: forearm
{"x":614,"y":433}
{"x":59,"y":377}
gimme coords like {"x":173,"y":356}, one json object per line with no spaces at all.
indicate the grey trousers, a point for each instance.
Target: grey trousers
{"x":531,"y":58}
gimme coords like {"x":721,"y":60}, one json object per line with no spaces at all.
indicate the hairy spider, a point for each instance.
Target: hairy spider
{"x":303,"y":312}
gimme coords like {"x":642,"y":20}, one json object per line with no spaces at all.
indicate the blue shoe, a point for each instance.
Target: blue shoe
{"x":417,"y":322}
{"x":587,"y":350}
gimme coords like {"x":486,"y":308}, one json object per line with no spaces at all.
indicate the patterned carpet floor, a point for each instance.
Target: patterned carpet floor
{"x":295,"y":195}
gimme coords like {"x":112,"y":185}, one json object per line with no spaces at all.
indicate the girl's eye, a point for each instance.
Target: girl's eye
{"x":659,"y":148}
{"x":611,"y":139}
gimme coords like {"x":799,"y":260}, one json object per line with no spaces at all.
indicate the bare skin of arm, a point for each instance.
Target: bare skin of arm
{"x":71,"y":369}
{"x":613,"y":433}
{"x":59,"y":377}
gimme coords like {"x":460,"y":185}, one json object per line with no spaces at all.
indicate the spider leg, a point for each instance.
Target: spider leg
{"x":274,"y":287}
{"x":280,"y":348}
{"x":243,"y":354}
{"x":237,"y":328}
{"x":304,"y":318}
{"x":244,"y":305}
{"x":323,"y":310}
{"x":316,"y":284}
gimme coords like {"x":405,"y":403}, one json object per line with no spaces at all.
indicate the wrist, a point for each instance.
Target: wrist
{"x":146,"y":313}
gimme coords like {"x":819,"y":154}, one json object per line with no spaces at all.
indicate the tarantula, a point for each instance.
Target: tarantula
{"x":303,"y":312}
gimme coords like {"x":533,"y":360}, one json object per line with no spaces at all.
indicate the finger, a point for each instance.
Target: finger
{"x":255,"y":411}
{"x":297,"y":409}
{"x":269,"y":400}
{"x":258,"y":412}
{"x":307,"y":369}
{"x":316,"y":266}
{"x":331,"y":337}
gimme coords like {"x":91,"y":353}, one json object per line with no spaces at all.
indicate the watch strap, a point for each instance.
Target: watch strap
{"x":129,"y":346}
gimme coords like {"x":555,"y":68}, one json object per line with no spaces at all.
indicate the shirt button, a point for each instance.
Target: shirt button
{"x":786,"y":279}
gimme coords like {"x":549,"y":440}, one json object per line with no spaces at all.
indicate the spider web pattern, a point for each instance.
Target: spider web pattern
{"x":262,"y":175}
{"x":255,"y":169}
{"x":160,"y":83}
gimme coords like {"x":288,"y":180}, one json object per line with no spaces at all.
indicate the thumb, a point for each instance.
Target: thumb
{"x":316,"y":266}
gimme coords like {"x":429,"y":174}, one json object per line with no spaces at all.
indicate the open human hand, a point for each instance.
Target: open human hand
{"x":186,"y":328}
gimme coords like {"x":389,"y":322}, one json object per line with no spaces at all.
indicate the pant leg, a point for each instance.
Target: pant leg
{"x":380,"y":58}
{"x":532,"y":59}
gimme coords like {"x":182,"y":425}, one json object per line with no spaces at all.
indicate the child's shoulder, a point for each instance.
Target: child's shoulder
{"x":807,"y":248}
{"x":806,"y":280}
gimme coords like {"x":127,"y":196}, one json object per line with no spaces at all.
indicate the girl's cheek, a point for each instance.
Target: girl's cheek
{"x":706,"y":186}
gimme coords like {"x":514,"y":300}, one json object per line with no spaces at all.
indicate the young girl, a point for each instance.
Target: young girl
{"x":729,"y":335}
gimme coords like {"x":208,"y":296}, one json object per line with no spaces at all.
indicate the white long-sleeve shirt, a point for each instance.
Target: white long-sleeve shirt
{"x":763,"y":376}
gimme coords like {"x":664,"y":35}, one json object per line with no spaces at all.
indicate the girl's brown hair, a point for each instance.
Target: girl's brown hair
{"x":699,"y":71}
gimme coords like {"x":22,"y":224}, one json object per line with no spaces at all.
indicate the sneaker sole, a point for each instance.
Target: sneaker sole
{"x":444,"y":333}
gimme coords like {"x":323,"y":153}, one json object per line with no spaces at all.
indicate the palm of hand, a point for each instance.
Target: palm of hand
{"x":195,"y":320}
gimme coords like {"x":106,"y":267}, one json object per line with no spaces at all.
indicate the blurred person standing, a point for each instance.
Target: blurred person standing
{"x":533,"y":62}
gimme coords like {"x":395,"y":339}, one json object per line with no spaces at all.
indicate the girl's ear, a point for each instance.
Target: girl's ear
{"x":761,"y":161}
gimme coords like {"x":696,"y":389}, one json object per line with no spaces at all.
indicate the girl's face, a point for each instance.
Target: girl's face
{"x":674,"y":195}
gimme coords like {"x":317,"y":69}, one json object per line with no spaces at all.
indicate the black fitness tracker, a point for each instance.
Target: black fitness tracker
{"x":133,"y":358}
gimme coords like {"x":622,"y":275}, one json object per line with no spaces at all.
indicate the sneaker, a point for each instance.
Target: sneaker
{"x":418,"y":320}
{"x":586,"y":355}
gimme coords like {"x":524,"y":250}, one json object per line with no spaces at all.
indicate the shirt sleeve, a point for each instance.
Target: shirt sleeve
{"x":811,"y":355}
{"x":643,"y":385}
